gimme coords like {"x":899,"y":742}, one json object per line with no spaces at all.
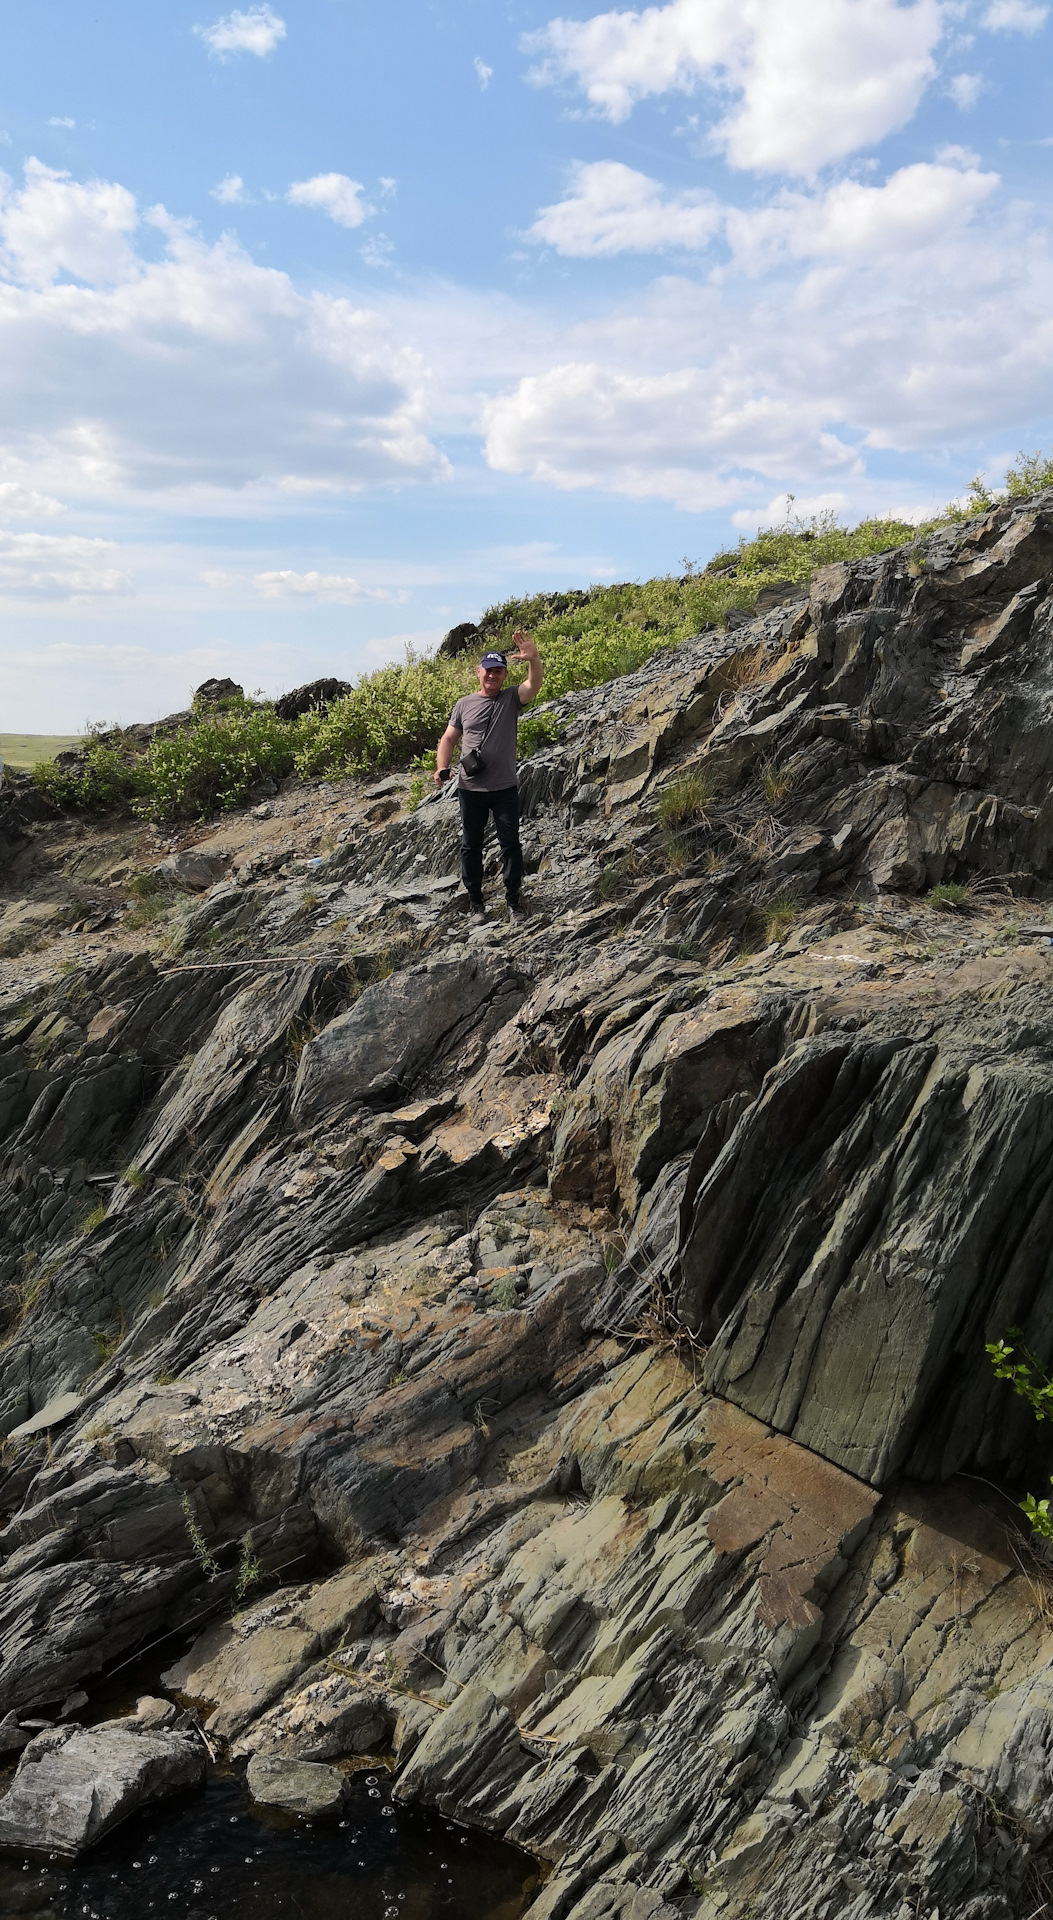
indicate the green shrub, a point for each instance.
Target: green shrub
{"x":1030,"y":1379}
{"x":390,"y":717}
{"x":536,"y":731}
{"x":211,"y":764}
{"x":103,"y":782}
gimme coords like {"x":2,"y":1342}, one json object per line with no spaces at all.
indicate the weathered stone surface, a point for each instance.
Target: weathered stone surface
{"x":193,"y":870}
{"x":886,"y":1198}
{"x":393,"y":1029}
{"x":297,"y":1786}
{"x":73,"y":1785}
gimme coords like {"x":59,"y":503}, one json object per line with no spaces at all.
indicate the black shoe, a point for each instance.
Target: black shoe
{"x":476,"y":909}
{"x":516,"y":909}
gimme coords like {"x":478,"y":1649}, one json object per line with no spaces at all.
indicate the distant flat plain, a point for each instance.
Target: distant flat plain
{"x":25,"y":749}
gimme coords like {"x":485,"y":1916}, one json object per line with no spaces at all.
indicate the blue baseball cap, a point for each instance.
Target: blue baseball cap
{"x":493,"y":660}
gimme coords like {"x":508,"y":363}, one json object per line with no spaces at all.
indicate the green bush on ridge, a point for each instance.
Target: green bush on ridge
{"x":394,"y":715}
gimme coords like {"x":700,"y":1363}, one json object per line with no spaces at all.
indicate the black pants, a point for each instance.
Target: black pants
{"x":476,"y":809}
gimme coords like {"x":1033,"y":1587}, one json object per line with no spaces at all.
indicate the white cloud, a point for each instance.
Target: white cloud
{"x":257,"y":31}
{"x":965,"y":89}
{"x":334,"y":589}
{"x":1014,"y":16}
{"x":230,"y":191}
{"x":612,"y":209}
{"x":334,"y":194}
{"x":55,"y":225}
{"x":48,"y":566}
{"x":677,"y":436}
{"x":483,"y":73}
{"x":809,"y":80}
{"x":55,"y":121}
{"x":378,"y":250}
{"x":25,"y":500}
{"x":911,"y":316}
{"x":915,"y":208}
{"x":198,"y":373}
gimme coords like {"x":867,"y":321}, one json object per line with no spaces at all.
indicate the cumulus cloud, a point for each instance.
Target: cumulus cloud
{"x":198,"y":371}
{"x":56,"y":226}
{"x":1014,"y":16}
{"x":483,"y":73}
{"x":905,"y":316}
{"x":58,"y":121}
{"x":230,"y":191}
{"x":334,"y":589}
{"x":915,"y":208}
{"x":807,"y":81}
{"x":257,"y":31}
{"x":48,"y":566}
{"x":613,"y":209}
{"x":965,"y":89}
{"x":16,"y":499}
{"x":677,"y":436}
{"x":334,"y":194}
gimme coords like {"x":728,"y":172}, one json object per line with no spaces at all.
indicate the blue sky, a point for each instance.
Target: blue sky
{"x":324,"y":325}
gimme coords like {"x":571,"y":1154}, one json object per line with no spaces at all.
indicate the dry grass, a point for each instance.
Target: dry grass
{"x":777,"y":783}
{"x":659,"y":1327}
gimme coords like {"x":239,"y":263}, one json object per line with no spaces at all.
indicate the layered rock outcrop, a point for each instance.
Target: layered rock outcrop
{"x":582,"y":1322}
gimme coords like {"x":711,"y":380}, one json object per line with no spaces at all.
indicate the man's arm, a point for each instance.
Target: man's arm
{"x":444,"y":753}
{"x":526,"y":650}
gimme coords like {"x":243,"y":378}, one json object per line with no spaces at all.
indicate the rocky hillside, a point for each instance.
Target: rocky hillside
{"x":580,"y":1322}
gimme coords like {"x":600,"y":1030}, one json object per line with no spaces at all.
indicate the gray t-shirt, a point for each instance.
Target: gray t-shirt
{"x":475,"y":716}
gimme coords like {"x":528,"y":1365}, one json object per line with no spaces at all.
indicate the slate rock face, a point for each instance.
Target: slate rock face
{"x":393,"y":1028}
{"x":75,"y":1784}
{"x":881,"y":1211}
{"x":602,"y":1296}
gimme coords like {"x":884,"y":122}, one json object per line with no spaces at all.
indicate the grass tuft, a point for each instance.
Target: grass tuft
{"x":780,"y":913}
{"x":687,"y":799}
{"x":950,"y":897}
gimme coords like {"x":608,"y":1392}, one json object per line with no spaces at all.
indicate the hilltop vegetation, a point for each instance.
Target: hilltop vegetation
{"x":394,"y":716}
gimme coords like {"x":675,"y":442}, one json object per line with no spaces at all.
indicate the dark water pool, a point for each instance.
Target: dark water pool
{"x":208,"y":1857}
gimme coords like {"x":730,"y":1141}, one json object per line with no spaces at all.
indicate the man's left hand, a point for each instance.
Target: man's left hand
{"x":525,"y":648}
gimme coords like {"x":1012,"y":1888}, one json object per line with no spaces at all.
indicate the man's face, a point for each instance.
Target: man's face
{"x":491,"y":679}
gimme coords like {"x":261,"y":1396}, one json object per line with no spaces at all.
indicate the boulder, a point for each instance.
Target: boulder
{"x":297,"y":1786}
{"x":212,"y":693}
{"x":312,"y":698}
{"x":192,"y":870}
{"x":73,"y":1784}
{"x":459,"y":639}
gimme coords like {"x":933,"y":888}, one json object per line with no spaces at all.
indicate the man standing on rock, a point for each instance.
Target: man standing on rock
{"x":485,"y":723}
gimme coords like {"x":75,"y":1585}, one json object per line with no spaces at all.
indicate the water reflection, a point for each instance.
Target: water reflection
{"x":210,"y":1858}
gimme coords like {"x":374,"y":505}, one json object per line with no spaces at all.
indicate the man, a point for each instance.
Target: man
{"x":485,"y":723}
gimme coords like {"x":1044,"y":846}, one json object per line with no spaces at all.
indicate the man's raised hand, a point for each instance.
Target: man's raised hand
{"x":525,"y":648}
